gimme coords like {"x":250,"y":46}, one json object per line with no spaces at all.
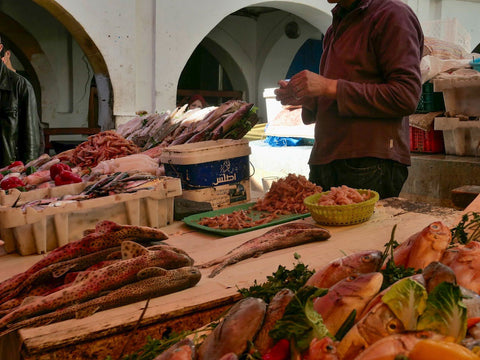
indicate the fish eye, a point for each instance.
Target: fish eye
{"x":329,"y":348}
{"x":351,"y":277}
{"x":392,"y":326}
{"x":366,"y":258}
{"x":435,"y":227}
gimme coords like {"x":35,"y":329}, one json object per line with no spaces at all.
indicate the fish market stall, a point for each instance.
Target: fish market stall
{"x":123,"y":329}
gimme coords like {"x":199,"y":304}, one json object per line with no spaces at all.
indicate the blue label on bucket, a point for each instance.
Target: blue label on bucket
{"x":214,"y":173}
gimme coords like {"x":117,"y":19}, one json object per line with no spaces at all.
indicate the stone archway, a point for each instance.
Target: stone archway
{"x":94,"y":57}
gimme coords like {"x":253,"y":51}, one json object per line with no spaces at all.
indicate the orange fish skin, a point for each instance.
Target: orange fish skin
{"x":423,"y":247}
{"x":362,"y":262}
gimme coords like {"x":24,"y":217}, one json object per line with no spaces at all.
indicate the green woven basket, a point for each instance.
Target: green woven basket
{"x":341,"y":214}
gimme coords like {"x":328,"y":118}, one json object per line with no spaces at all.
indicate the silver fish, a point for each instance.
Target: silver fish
{"x":280,"y":237}
{"x":239,"y":326}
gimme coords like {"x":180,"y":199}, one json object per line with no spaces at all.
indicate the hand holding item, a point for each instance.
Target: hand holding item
{"x":286,"y":94}
{"x":309,"y":84}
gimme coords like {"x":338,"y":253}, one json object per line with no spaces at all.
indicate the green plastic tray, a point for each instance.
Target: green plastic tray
{"x":193,"y":220}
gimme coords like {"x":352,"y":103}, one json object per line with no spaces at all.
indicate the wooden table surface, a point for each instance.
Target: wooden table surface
{"x":106,"y":332}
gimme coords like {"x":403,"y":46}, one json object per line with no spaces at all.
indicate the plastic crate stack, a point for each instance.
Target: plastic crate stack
{"x":428,"y":141}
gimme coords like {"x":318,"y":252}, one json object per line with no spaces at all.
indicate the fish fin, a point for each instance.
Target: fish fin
{"x":88,"y":232}
{"x":62,"y":270}
{"x":105,"y":226}
{"x":151,"y":272}
{"x":88,"y":311}
{"x":114,"y":255}
{"x":82,"y":276}
{"x":131,"y":249}
{"x":30,"y":299}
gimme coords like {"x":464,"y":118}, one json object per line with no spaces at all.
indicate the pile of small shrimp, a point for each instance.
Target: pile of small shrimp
{"x":343,"y":195}
{"x":286,"y":195}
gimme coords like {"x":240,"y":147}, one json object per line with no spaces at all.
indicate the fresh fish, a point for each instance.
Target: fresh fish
{"x":153,"y":282}
{"x":322,"y":349}
{"x":378,"y":298}
{"x":42,"y":159}
{"x":227,"y":124}
{"x":380,"y":322}
{"x":108,"y":234}
{"x":352,"y":293}
{"x":275,"y":310}
{"x":435,"y":273}
{"x":362,"y":262}
{"x":423,"y":247}
{"x":232,"y":335}
{"x":280,"y":237}
{"x":92,"y":283}
{"x":183,"y":350}
{"x":396,"y":345}
{"x":463,"y":260}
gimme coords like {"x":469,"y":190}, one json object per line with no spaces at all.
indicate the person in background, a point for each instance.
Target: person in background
{"x":6,"y":60}
{"x":368,"y":84}
{"x":196,"y":101}
{"x":20,"y":128}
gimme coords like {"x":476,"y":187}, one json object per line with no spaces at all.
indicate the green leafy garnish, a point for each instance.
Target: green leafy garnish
{"x":300,"y":322}
{"x":407,"y":299}
{"x":445,"y":312}
{"x":30,"y":170}
{"x":282,"y":278}
{"x":468,"y":229}
{"x":392,"y":272}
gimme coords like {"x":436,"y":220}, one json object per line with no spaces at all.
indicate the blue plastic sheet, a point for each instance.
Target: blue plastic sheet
{"x":279,"y":141}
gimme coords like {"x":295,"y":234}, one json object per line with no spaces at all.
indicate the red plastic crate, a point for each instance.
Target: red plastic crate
{"x":426,"y":141}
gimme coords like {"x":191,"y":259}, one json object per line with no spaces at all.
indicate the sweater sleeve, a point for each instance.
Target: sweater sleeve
{"x":29,"y":146}
{"x":398,"y":43}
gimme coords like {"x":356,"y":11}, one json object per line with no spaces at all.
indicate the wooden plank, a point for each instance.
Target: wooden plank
{"x":218,"y":292}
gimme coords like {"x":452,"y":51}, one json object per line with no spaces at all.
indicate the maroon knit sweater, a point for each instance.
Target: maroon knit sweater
{"x":374,"y":51}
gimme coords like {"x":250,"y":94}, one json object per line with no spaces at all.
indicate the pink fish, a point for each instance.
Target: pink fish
{"x":108,"y":234}
{"x":423,"y":247}
{"x":464,"y":261}
{"x":362,"y":262}
{"x":322,"y":349}
{"x":94,"y":282}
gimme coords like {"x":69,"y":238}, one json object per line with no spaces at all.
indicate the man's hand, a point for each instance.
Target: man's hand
{"x":286,"y":95}
{"x":307,"y":84}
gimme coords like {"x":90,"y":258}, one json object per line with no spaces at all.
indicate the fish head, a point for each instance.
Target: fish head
{"x":379,"y":323}
{"x":429,"y":245}
{"x":351,"y":293}
{"x":322,"y":349}
{"x":357,"y":263}
{"x":436,"y":273}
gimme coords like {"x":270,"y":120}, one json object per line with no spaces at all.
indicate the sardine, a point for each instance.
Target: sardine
{"x":379,"y":322}
{"x":352,"y":293}
{"x":232,"y":335}
{"x":423,"y":247}
{"x":275,"y":310}
{"x":90,"y":284}
{"x":227,"y":124}
{"x":362,"y":262}
{"x":280,"y":237}
{"x":156,"y":282}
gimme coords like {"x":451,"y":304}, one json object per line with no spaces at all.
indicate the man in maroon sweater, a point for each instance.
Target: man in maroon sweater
{"x":369,"y":83}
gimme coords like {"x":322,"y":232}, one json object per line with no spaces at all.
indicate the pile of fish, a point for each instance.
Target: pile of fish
{"x":342,"y":312}
{"x":231,"y":120}
{"x":106,"y":268}
{"x":105,"y":185}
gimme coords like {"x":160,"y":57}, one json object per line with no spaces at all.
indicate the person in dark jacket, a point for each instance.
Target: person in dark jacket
{"x":369,"y":82}
{"x":20,"y":129}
